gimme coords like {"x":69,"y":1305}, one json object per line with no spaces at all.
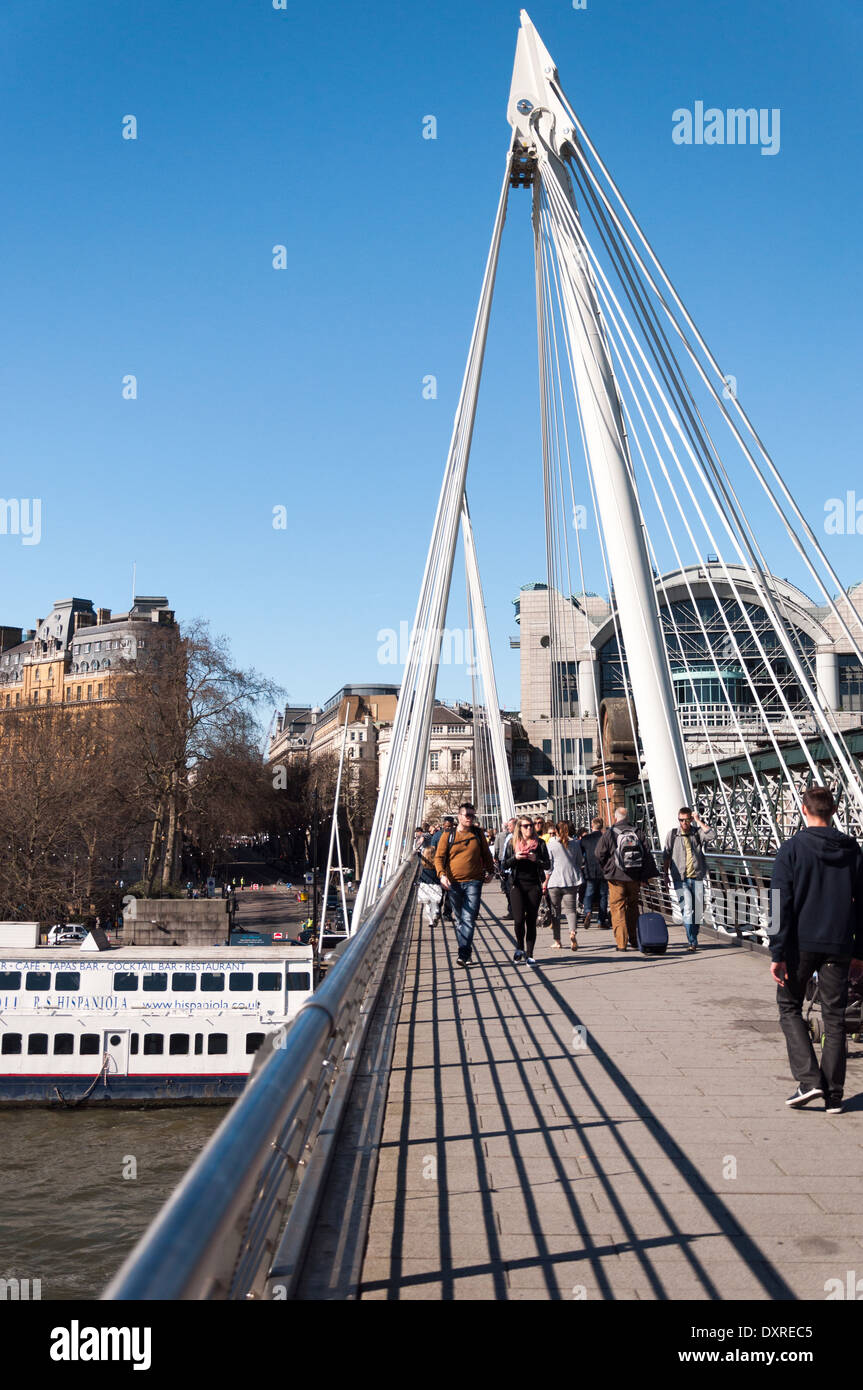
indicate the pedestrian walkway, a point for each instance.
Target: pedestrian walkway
{"x":604,"y":1126}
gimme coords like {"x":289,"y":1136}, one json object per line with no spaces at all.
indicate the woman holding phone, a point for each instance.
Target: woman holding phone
{"x":528,"y":864}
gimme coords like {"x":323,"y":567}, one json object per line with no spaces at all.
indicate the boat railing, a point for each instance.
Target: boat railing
{"x":256,"y":1186}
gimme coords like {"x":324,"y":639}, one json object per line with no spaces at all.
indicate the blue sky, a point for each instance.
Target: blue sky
{"x":303,"y":388}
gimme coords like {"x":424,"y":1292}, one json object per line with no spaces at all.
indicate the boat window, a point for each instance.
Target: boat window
{"x":199,"y":1044}
{"x":217,"y":1044}
{"x":125,"y":981}
{"x":243,"y":980}
{"x":11,"y":1044}
{"x":38,"y":979}
{"x":211,"y":983}
{"x":133,"y":1044}
{"x":155,"y":983}
{"x":299,"y":979}
{"x":10,"y":979}
{"x":183,"y":984}
{"x":253,"y":1041}
{"x":67,"y":979}
{"x":178,"y":1044}
{"x":269,"y":980}
{"x":37,"y":1044}
{"x":64,"y":1044}
{"x":89,"y":1044}
{"x":154,"y":1044}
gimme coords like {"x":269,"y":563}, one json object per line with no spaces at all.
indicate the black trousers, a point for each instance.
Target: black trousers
{"x":833,"y":999}
{"x":525,"y":900}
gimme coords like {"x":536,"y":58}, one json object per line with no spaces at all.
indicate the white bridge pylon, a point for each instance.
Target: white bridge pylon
{"x":630,"y":389}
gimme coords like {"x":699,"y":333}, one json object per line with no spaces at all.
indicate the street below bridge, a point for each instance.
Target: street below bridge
{"x":604,"y":1126}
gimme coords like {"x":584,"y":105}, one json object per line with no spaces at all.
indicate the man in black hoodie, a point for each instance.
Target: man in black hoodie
{"x":818,"y":875}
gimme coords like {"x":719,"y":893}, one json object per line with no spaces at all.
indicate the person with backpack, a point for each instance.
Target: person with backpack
{"x":528,"y":864}
{"x":684,"y":865}
{"x":500,"y":845}
{"x":595,"y":882}
{"x":463,"y":862}
{"x":429,"y":890}
{"x":626,"y":860}
{"x":562,"y":888}
{"x":447,"y":826}
{"x":818,"y":878}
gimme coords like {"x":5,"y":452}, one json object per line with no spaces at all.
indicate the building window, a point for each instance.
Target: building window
{"x":178,"y":1044}
{"x":212,"y":983}
{"x":564,"y":675}
{"x":434,"y":762}
{"x":77,"y":692}
{"x":268,"y":981}
{"x":89,"y":1045}
{"x":10,"y":1044}
{"x":154,"y":1044}
{"x":125,"y":981}
{"x":97,"y":646}
{"x":67,"y":979}
{"x":38,"y":979}
{"x":850,"y":683}
{"x":240,"y":982}
{"x":64,"y":1044}
{"x":37,"y":1044}
{"x":456,"y":761}
{"x":47,"y":697}
{"x":182,"y":983}
{"x":253,"y":1042}
{"x":299,"y":980}
{"x":99,"y":690}
{"x":217,"y":1044}
{"x":10,"y":979}
{"x":35,"y":697}
{"x":156,"y":983}
{"x":89,"y":692}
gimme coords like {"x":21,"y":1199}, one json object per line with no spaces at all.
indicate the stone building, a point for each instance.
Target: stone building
{"x":73,"y":655}
{"x":571,"y":662}
{"x":371,"y":710}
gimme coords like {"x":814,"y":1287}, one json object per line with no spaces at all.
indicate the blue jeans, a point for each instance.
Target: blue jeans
{"x":596,"y":887}
{"x":465,"y":905}
{"x":690,"y":896}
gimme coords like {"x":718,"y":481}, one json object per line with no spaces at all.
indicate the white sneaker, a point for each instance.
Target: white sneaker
{"x":530,"y":961}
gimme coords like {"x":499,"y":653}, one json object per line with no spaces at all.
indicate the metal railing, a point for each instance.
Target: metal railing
{"x":737,"y":899}
{"x":218,"y":1234}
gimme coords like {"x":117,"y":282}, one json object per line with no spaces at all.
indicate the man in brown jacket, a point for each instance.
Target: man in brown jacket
{"x":464,"y":863}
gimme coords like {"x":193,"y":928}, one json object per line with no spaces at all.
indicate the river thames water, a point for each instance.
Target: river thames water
{"x":68,"y":1215}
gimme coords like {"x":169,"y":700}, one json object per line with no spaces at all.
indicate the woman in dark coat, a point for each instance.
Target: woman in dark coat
{"x":528,"y":863}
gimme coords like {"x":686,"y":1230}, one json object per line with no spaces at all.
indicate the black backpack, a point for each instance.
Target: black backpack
{"x":628,"y":852}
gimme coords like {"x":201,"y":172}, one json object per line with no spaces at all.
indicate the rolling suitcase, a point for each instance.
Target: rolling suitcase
{"x":652,"y":934}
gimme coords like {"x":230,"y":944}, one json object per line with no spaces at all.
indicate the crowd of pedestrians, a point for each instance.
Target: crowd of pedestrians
{"x":551,"y":871}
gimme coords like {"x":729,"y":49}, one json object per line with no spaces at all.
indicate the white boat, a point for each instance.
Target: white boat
{"x":141,"y":1023}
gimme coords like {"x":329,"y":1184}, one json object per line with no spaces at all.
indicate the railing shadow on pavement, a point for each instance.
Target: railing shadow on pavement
{"x":492,"y":979}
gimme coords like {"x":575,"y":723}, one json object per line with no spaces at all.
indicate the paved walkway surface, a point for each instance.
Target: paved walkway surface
{"x":604,"y":1126}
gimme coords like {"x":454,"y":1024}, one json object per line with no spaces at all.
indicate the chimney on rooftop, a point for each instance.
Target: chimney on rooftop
{"x":103,"y":615}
